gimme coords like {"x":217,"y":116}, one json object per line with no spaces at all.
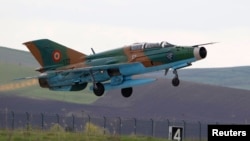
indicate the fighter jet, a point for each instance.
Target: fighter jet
{"x":65,"y":69}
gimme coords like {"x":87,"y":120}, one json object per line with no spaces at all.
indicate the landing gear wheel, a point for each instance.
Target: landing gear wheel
{"x":98,"y":89}
{"x":175,"y":81}
{"x":127,"y":92}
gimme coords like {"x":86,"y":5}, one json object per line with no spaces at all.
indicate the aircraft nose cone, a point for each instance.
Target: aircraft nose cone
{"x":200,"y":53}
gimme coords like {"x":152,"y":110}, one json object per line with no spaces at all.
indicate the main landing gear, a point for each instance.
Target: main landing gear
{"x":127,"y":92}
{"x":98,"y":89}
{"x":175,"y":80}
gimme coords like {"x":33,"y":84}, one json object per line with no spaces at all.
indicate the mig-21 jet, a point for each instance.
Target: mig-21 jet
{"x":65,"y":69}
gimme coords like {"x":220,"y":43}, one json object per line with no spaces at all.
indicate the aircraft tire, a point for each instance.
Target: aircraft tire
{"x":78,"y":87}
{"x":99,"y":90}
{"x":127,"y":92}
{"x":175,"y":81}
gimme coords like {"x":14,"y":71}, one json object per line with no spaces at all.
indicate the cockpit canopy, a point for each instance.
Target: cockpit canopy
{"x":142,"y":46}
{"x":166,"y":44}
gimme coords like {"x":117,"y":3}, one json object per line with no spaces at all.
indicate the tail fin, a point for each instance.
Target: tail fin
{"x":52,"y":55}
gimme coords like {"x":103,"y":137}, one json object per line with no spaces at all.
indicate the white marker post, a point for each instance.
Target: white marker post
{"x":176,"y":133}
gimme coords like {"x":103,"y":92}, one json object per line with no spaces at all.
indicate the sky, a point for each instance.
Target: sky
{"x":108,"y":24}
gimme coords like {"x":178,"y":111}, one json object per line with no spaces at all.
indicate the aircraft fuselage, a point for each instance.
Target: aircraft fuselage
{"x":65,"y":69}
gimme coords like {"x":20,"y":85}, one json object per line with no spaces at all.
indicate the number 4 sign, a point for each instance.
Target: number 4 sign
{"x":176,"y":133}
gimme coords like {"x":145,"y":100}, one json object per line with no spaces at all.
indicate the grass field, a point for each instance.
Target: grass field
{"x":39,"y":135}
{"x":91,"y":132}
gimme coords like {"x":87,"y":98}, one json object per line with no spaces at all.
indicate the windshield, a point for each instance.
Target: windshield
{"x":166,"y":44}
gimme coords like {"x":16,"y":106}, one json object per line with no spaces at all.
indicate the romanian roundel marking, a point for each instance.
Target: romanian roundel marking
{"x":56,"y":56}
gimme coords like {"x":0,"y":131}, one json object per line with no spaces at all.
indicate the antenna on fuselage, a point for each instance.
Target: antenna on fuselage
{"x":92,"y":50}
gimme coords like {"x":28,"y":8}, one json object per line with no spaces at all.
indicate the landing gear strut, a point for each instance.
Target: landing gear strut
{"x":175,"y":80}
{"x":98,"y":89}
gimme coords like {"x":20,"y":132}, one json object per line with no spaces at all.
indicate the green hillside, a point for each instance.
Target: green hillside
{"x":234,"y":77}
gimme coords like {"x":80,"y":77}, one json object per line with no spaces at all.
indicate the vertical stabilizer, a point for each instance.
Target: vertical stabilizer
{"x":52,"y":55}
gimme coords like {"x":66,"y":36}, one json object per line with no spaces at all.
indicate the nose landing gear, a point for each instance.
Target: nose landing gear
{"x":175,"y":80}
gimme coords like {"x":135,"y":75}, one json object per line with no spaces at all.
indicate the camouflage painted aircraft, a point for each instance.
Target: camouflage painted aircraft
{"x":64,"y":69}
